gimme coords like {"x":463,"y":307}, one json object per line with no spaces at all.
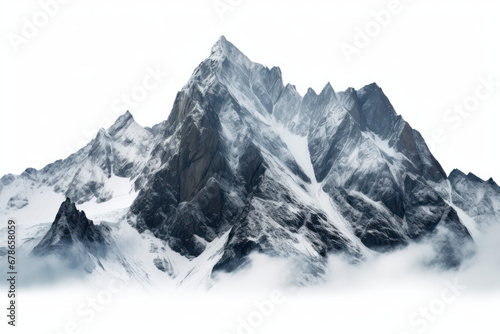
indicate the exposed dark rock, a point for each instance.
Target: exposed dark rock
{"x":72,"y":232}
{"x":245,"y":158}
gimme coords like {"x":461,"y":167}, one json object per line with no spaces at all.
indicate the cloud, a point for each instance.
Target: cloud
{"x":394,"y":293}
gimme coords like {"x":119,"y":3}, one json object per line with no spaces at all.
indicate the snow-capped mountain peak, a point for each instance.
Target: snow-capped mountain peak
{"x":246,"y":164}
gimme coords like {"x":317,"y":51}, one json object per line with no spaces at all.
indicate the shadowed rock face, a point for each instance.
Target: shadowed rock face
{"x":228,"y":166}
{"x":186,"y":198}
{"x":478,"y":198}
{"x":246,"y":164}
{"x":72,"y":232}
{"x":370,"y":157}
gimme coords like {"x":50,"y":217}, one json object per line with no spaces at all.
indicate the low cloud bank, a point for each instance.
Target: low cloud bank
{"x":395,"y":293}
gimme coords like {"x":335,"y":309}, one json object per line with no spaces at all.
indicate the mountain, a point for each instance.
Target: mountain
{"x":73,"y":236}
{"x":479,"y":199}
{"x":289,"y":175}
{"x":121,"y":151}
{"x":96,"y":249}
{"x":246,"y":164}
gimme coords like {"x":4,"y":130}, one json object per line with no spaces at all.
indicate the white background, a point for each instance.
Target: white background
{"x":58,"y":89}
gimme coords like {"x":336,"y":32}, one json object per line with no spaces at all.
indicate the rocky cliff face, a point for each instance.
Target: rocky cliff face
{"x":479,"y":199}
{"x":72,"y":236}
{"x":246,"y":164}
{"x":289,"y":175}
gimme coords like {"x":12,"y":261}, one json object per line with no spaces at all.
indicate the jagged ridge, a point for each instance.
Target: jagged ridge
{"x":245,"y":163}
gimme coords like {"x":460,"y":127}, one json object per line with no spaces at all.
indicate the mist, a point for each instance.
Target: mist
{"x":392,"y":293}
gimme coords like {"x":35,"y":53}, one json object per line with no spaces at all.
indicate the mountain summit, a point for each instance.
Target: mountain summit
{"x":290,"y":175}
{"x":245,"y":164}
{"x":75,"y":238}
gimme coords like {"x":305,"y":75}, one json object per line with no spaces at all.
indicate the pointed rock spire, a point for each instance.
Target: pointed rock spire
{"x":70,"y":227}
{"x":121,"y":122}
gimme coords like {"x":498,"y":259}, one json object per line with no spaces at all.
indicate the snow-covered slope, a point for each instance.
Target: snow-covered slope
{"x":103,"y":170}
{"x":290,"y":175}
{"x":246,"y":164}
{"x":479,"y":199}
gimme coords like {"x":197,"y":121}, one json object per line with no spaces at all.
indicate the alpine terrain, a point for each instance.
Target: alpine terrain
{"x":245,"y":164}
